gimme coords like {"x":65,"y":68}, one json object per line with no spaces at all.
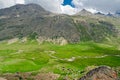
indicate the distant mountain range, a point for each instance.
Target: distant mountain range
{"x":118,"y":13}
{"x":33,"y":21}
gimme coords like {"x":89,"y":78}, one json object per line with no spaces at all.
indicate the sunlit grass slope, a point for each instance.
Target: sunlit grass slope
{"x":47,"y":57}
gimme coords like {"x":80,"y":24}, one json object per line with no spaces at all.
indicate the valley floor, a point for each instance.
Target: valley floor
{"x":71,"y":60}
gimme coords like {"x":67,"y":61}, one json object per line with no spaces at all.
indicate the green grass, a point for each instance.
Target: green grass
{"x":32,"y":56}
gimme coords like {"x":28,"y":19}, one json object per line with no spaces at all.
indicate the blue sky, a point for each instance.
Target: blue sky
{"x":68,"y":2}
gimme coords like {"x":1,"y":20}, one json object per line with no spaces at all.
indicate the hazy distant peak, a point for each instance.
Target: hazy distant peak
{"x":84,"y":12}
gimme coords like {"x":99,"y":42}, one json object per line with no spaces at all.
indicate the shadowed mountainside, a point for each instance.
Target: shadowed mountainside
{"x":24,"y":20}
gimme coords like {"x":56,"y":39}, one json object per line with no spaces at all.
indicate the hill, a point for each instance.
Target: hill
{"x":33,"y":21}
{"x":22,"y":57}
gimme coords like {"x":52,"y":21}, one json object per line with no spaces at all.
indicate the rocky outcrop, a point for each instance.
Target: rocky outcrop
{"x":30,"y":76}
{"x":101,"y":73}
{"x":60,"y":41}
{"x":2,"y":78}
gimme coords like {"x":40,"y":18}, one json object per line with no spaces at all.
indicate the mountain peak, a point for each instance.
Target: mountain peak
{"x":28,"y":6}
{"x":23,"y":10}
{"x":84,"y":12}
{"x":117,"y":12}
{"x":99,"y":13}
{"x":109,"y":14}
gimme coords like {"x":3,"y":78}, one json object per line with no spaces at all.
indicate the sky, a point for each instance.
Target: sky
{"x":69,"y":6}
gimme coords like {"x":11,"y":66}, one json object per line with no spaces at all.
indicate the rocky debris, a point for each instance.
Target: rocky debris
{"x":11,"y":41}
{"x":30,"y":76}
{"x":2,"y":78}
{"x":60,"y":40}
{"x":24,"y":39}
{"x":71,"y":59}
{"x":4,"y":17}
{"x":46,"y":76}
{"x":18,"y":76}
{"x":101,"y":73}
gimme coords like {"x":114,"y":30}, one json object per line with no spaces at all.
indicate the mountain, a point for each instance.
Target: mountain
{"x":99,"y":13}
{"x":84,"y":12}
{"x":109,"y":14}
{"x":117,"y":13}
{"x":33,"y":21}
{"x":23,"y":10}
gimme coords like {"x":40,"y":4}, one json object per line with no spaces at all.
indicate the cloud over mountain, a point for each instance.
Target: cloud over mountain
{"x":57,"y":7}
{"x":8,"y":3}
{"x":99,"y":5}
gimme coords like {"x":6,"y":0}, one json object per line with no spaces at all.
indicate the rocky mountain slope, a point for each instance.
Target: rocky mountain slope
{"x":101,"y":73}
{"x":33,"y":21}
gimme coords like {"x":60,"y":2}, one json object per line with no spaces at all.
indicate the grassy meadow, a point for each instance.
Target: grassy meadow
{"x":70,"y":59}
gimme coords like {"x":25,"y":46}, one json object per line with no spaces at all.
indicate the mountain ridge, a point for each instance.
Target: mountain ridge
{"x":24,"y":20}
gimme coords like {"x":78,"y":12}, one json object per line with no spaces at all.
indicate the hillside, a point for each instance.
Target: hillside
{"x":32,"y":45}
{"x":25,"y":20}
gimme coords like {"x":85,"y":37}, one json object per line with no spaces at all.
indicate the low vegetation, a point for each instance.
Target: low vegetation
{"x":71,"y":60}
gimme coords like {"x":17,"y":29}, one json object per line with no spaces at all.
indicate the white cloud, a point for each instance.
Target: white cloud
{"x":56,"y":7}
{"x":100,"y":5}
{"x":68,"y":10}
{"x":78,"y":3}
{"x":8,"y":3}
{"x":91,"y":5}
{"x":20,"y":1}
{"x":92,"y":10}
{"x":50,"y":5}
